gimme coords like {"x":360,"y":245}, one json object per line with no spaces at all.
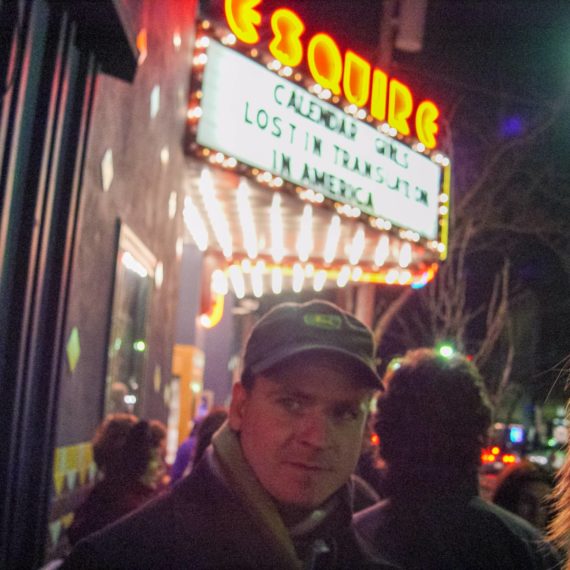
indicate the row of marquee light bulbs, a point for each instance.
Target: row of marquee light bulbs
{"x":301,"y":272}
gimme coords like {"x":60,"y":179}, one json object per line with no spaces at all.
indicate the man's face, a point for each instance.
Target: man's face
{"x":301,"y":430}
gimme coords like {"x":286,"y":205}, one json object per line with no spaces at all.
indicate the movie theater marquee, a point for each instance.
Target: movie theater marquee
{"x":270,"y":123}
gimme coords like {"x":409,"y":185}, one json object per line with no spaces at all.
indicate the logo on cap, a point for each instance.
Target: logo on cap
{"x":322,"y":321}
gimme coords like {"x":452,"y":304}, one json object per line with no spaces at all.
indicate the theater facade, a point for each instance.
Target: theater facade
{"x":169,"y":173}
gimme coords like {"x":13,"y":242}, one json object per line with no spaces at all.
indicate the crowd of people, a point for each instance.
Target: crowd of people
{"x":286,"y":477}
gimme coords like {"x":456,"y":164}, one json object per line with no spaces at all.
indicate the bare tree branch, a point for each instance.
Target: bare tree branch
{"x":389,"y":314}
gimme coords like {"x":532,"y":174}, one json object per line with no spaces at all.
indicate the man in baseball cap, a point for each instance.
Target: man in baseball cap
{"x":316,"y":327}
{"x":272,"y":491}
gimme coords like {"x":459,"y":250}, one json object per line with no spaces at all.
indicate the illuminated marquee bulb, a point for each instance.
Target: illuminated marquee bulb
{"x":195,"y":224}
{"x":219,"y":282}
{"x":246,"y":265}
{"x":218,"y":221}
{"x":405,"y":257}
{"x":277,"y":249}
{"x":356,"y":273}
{"x":237,"y":281}
{"x":132,"y":264}
{"x":391,"y":276}
{"x":357,"y":246}
{"x":333,"y":235}
{"x":343,"y":276}
{"x":319,"y":280}
{"x":382,"y":250}
{"x":305,"y":239}
{"x":246,"y":220}
{"x":276,"y":280}
{"x":257,"y":279}
{"x":298,"y":277}
{"x":404,"y":278}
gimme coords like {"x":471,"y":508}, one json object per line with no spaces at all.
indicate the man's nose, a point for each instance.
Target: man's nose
{"x":315,"y":430}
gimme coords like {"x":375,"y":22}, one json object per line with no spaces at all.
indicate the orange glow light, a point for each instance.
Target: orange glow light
{"x":495,"y":450}
{"x":374,"y":439}
{"x":365,"y":276}
{"x":400,"y":107}
{"x":356,"y":81}
{"x":243,"y":19}
{"x":286,"y":45}
{"x":426,"y":126}
{"x":214,"y":316}
{"x":325,"y":62}
{"x":509,"y":458}
{"x":379,"y":95}
{"x":142,"y":45}
{"x":389,"y":100}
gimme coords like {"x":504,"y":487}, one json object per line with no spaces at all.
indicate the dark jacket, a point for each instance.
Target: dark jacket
{"x":108,"y":501}
{"x":451,"y":531}
{"x":217,"y":517}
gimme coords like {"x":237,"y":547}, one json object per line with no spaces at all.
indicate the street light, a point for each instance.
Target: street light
{"x":446,"y":349}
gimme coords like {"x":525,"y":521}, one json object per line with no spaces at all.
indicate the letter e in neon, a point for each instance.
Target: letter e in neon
{"x":243,"y":19}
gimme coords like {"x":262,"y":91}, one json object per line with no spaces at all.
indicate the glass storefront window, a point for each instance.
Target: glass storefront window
{"x":128,"y":341}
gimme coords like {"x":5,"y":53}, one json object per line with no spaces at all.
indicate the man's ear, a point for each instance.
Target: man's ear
{"x":239,"y":397}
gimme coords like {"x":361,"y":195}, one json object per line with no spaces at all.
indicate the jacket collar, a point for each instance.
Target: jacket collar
{"x":230,"y":466}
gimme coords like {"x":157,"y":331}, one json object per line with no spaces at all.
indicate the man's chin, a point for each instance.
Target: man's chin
{"x":302,"y":503}
{"x":293,"y":513}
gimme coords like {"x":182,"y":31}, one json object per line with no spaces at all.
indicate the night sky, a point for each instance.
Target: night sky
{"x":509,"y":60}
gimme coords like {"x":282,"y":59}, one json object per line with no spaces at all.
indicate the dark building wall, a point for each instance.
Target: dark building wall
{"x":189,"y":295}
{"x":219,"y":342}
{"x":142,"y":195}
{"x":218,"y":352}
{"x":146,"y":194}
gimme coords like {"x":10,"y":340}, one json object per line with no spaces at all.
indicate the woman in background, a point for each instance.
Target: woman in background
{"x":525,"y":489}
{"x":130,"y":456}
{"x":559,"y":529}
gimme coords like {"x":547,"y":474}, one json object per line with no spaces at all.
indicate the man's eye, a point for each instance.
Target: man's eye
{"x":347,"y":414}
{"x":291,"y":404}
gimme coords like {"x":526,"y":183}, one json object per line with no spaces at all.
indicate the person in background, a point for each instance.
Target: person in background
{"x":209,"y":425}
{"x":193,"y":447}
{"x":364,"y":494}
{"x":272,"y":491}
{"x":559,"y":528}
{"x":368,"y":467}
{"x":432,"y":421}
{"x":130,"y":456}
{"x":524,"y":489}
{"x":117,"y":394}
{"x":183,"y":460}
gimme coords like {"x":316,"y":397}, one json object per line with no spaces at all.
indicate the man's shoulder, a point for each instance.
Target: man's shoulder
{"x":513,"y":523}
{"x":467,"y":528}
{"x":368,"y":522}
{"x":180,"y":522}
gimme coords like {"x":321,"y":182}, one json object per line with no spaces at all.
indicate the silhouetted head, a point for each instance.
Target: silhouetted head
{"x":130,"y":449}
{"x":432,"y":420}
{"x":207,"y":427}
{"x":524,"y":489}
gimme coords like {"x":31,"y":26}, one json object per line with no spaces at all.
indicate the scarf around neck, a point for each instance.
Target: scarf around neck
{"x":230,"y":464}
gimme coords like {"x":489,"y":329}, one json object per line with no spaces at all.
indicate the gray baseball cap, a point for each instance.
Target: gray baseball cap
{"x":291,"y":329}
